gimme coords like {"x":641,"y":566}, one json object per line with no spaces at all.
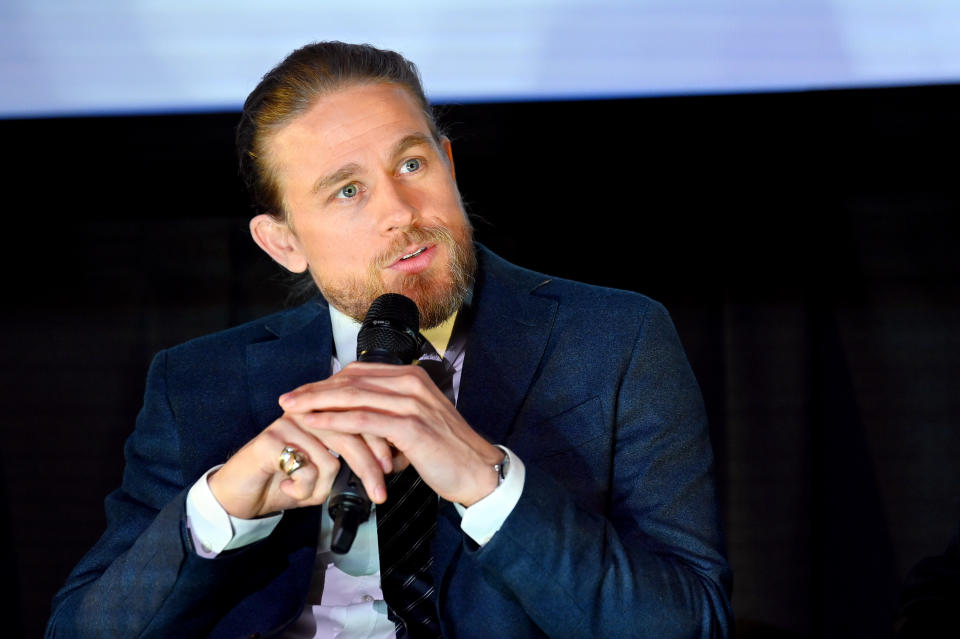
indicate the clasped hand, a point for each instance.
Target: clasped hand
{"x":378,"y":418}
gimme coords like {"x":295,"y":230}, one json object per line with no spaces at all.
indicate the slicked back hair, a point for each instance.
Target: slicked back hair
{"x":291,"y":88}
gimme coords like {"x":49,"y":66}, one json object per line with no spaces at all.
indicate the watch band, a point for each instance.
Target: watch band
{"x":502,"y":468}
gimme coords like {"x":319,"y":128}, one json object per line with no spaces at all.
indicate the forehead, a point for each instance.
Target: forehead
{"x":353,"y":121}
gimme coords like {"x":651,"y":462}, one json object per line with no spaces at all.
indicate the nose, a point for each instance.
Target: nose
{"x":397,"y":208}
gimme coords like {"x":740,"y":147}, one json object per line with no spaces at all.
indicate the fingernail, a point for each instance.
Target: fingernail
{"x":380,"y":494}
{"x":288,"y":399}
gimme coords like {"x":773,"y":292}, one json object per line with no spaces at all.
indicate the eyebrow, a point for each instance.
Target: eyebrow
{"x":342,"y":174}
{"x":347,"y":171}
{"x":409,"y":141}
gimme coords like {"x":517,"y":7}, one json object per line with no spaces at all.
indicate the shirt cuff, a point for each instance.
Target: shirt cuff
{"x":213,"y":529}
{"x":483,"y":519}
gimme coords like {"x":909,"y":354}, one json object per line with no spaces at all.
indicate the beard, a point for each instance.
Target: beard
{"x":438,"y":291}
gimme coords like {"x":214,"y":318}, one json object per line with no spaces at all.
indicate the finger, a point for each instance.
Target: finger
{"x":362,"y":396}
{"x":355,"y":452}
{"x":400,"y":461}
{"x":402,"y":379}
{"x":248,"y":485}
{"x":310,"y":484}
{"x":372,"y":368}
{"x":399,"y":431}
{"x":381,"y":450}
{"x":301,"y":484}
{"x":287,"y":432}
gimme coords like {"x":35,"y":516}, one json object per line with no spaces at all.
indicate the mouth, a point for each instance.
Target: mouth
{"x":415,"y":261}
{"x":414,"y":254}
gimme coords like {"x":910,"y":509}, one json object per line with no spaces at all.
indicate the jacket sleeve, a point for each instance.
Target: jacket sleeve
{"x":142,"y":578}
{"x":646,"y":559}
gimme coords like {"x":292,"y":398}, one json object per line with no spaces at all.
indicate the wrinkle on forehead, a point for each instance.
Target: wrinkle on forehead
{"x":351,"y":169}
{"x":332,"y":127}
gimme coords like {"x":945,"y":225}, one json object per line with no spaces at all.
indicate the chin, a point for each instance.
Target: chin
{"x":436,"y":297}
{"x":438,"y":291}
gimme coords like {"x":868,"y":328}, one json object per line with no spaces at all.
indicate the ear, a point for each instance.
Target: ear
{"x":278,"y":241}
{"x":448,"y":149}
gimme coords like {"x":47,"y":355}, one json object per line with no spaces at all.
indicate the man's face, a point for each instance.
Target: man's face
{"x":371,"y":201}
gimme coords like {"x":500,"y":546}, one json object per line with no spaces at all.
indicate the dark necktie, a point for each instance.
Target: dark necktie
{"x":405,"y":526}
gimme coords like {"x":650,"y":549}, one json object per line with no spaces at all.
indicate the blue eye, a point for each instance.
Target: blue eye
{"x":410,"y":166}
{"x":349,"y":191}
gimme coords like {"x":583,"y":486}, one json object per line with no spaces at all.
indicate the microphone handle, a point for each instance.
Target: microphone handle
{"x":389,"y":335}
{"x":349,"y":507}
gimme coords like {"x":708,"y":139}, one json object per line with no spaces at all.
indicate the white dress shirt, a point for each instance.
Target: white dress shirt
{"x":345,"y":599}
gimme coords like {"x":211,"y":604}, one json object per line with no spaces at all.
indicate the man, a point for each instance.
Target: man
{"x":593,"y":516}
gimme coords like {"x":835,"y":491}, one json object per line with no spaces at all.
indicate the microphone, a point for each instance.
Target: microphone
{"x":389,"y":334}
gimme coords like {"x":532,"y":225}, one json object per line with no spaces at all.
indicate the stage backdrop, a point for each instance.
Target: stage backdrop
{"x":804,"y":242}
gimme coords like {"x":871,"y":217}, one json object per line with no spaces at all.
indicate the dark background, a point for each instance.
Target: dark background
{"x":804,"y":242}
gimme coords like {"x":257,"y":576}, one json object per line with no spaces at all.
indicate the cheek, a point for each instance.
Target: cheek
{"x":445,"y":205}
{"x":345,"y":254}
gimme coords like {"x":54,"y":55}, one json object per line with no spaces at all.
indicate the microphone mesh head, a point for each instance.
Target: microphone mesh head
{"x":390,"y":331}
{"x":395,"y":308}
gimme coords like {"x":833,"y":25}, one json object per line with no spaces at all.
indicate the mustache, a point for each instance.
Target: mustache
{"x":412,"y":235}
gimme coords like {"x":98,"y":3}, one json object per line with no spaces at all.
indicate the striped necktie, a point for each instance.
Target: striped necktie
{"x":405,"y":525}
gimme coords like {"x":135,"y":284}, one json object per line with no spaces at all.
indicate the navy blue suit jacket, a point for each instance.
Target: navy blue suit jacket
{"x":616,"y":533}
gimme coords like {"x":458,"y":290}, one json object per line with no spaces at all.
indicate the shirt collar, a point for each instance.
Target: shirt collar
{"x":439,"y":336}
{"x":345,"y":330}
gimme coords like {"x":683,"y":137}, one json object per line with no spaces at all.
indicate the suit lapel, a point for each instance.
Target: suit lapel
{"x":509,"y":331}
{"x":300,"y":354}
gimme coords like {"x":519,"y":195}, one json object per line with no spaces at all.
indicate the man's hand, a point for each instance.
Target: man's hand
{"x":402,"y":407}
{"x":252,"y":484}
{"x":378,"y":418}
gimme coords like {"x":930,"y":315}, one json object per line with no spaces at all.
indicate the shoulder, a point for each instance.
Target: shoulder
{"x":231,"y":343}
{"x":598,"y":308}
{"x":223,"y":387}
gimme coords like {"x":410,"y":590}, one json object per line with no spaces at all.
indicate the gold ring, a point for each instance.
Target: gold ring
{"x":291,"y":460}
